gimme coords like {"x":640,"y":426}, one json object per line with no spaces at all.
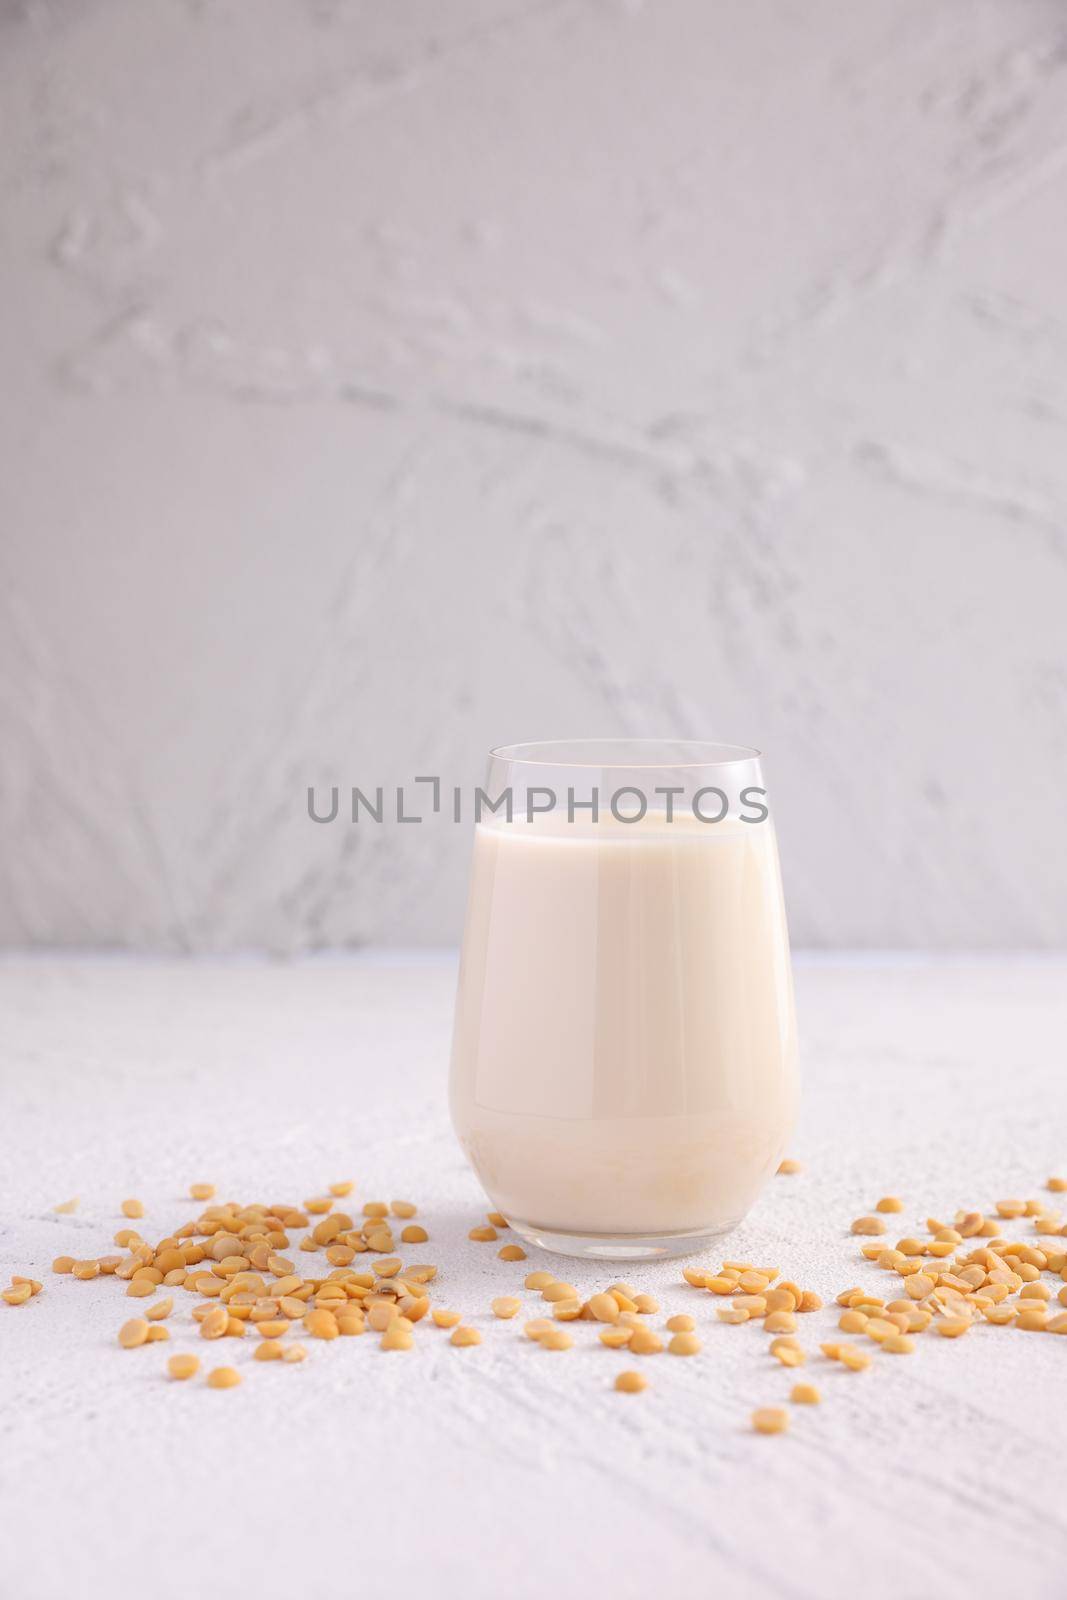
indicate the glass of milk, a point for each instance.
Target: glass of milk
{"x":624,"y":1059}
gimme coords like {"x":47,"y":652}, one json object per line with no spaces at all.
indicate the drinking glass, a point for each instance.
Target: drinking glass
{"x":624,"y":1056}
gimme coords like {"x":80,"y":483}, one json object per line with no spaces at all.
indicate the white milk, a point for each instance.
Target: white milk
{"x":624,"y":1059}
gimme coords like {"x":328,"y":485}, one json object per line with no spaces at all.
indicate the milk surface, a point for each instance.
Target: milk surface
{"x":624,"y":1057}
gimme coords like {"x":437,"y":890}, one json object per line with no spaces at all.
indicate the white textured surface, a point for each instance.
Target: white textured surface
{"x":382,"y":381}
{"x":504,"y":1469}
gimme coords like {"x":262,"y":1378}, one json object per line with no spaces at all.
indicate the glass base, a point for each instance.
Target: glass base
{"x":619,"y":1246}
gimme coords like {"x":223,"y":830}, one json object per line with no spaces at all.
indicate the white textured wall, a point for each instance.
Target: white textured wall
{"x":381,"y":381}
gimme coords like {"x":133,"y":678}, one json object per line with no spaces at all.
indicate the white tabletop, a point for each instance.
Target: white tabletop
{"x":506,"y":1470}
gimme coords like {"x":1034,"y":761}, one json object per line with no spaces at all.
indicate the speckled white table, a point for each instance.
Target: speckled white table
{"x":506,"y":1470}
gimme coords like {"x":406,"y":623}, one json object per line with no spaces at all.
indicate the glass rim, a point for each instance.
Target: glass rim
{"x":641,"y":752}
